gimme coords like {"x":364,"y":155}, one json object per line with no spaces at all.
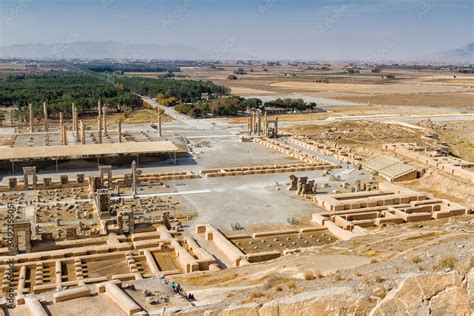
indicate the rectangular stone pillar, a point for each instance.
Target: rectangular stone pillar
{"x":12,"y":182}
{"x":47,"y":183}
{"x":25,"y":181}
{"x":80,"y":179}
{"x":64,"y":180}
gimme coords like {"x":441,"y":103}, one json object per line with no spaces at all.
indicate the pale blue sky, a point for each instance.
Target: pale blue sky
{"x":289,"y":29}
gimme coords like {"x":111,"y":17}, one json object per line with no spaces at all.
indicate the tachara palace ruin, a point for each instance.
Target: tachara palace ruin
{"x":63,"y":146}
{"x":90,"y":236}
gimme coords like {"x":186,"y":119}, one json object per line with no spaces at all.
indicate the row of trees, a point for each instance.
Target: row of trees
{"x":232,"y":106}
{"x":291,"y":104}
{"x":185,"y":91}
{"x":221,"y":106}
{"x":59,"y":90}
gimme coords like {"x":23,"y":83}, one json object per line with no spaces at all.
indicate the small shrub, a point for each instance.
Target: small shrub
{"x":256,"y":294}
{"x":415,"y":259}
{"x":378,"y":278}
{"x":446,"y":262}
{"x":309,"y":275}
{"x":291,"y":284}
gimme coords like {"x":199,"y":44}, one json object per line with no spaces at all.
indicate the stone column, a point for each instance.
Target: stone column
{"x":45,"y":112}
{"x":120,"y":224}
{"x":109,"y":179}
{"x":265,"y":125}
{"x":83,"y":133}
{"x":259,"y":123}
{"x":25,"y":181}
{"x":159,"y":123}
{"x":131,"y":222}
{"x":249,"y":123}
{"x":276,"y":127}
{"x":119,"y":128}
{"x":75,"y":122}
{"x":61,"y":118}
{"x":104,"y":117}
{"x":99,"y":109}
{"x":61,"y":127}
{"x":73,"y":116}
{"x":134,"y":178}
{"x":64,"y":133}
{"x":99,"y":129}
{"x":254,"y":121}
{"x":30,"y":110}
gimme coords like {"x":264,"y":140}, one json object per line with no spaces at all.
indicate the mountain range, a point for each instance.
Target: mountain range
{"x":118,"y":50}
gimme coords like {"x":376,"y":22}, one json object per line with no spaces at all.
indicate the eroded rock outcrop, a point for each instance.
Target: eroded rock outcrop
{"x":332,"y":301}
{"x":416,"y":294}
{"x":426,"y":294}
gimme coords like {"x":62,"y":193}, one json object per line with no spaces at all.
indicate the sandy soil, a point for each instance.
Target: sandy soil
{"x":313,"y":86}
{"x":135,"y":117}
{"x":435,"y":88}
{"x":434,"y":99}
{"x":350,"y":110}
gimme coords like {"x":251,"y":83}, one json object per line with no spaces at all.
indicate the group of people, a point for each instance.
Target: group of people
{"x":177,"y":289}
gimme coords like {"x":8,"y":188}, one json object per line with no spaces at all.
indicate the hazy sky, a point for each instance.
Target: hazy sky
{"x":290,"y":29}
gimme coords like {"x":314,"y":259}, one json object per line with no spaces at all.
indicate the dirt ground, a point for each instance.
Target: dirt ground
{"x":446,"y":99}
{"x":135,"y":117}
{"x":408,"y":88}
{"x":350,"y":111}
{"x":459,"y":136}
{"x":364,"y":137}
